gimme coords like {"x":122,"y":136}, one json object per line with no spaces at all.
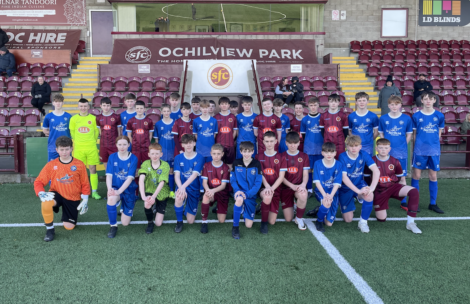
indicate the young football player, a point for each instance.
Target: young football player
{"x":267,"y":122}
{"x":139,"y":130}
{"x":188,"y":167}
{"x":398,"y":129}
{"x":109,"y":125}
{"x":227,"y":132}
{"x":163,"y":136}
{"x":310,"y":129}
{"x":278,"y":105}
{"x":327,"y":176}
{"x":389,"y":186}
{"x":182,"y":126}
{"x":245,"y":125}
{"x":119,"y":179}
{"x":334,"y":124}
{"x":55,"y":125}
{"x":364,"y":123}
{"x":427,"y":129}
{"x":274,"y":169}
{"x":234,"y":108}
{"x":212,"y":108}
{"x":354,"y":160}
{"x":246,"y":180}
{"x":69,"y":184}
{"x":296,"y":122}
{"x":84,"y":134}
{"x":196,"y":109}
{"x":205,"y":129}
{"x":215,"y":177}
{"x":129,"y":101}
{"x":153,"y":184}
{"x":175,"y":106}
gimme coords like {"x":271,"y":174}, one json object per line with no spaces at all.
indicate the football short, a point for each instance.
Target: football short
{"x":229,"y":155}
{"x":142,"y":155}
{"x":426,"y":162}
{"x":52,"y":156}
{"x":283,"y":146}
{"x":222,"y":203}
{"x":346,"y":197}
{"x":239,"y":154}
{"x":313,"y":158}
{"x":404,"y":165}
{"x":69,"y":208}
{"x":160,"y":205}
{"x":287,"y":197}
{"x":191,"y":202}
{"x":331,"y":216}
{"x":274,"y":206}
{"x":88,"y":157}
{"x":249,"y":209}
{"x":128,"y":199}
{"x":105,"y":152}
{"x":381,"y":198}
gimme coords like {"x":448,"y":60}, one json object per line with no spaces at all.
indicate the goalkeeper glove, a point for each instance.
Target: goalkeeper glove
{"x":46,"y":196}
{"x":83,"y":207}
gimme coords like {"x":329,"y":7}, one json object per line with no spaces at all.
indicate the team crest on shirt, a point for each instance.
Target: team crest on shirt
{"x":401,"y":122}
{"x":146,"y":123}
{"x":55,"y":167}
{"x":211,"y":124}
{"x":181,"y":164}
{"x":273,"y":121}
{"x":420,"y":120}
{"x":159,"y":171}
{"x":391,"y":167}
{"x":65,"y":118}
{"x":300,"y":159}
{"x":115,"y":164}
{"x":230,"y":120}
{"x":89,"y":122}
{"x":367,"y":120}
{"x":253,"y":171}
{"x":360,"y":162}
{"x":112,"y":119}
{"x":52,"y":120}
{"x":73,"y":168}
{"x":338,"y":118}
{"x":435,"y":119}
{"x":276,"y":161}
{"x":387,"y":122}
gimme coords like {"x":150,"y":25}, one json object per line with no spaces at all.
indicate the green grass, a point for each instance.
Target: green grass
{"x":286,"y":265}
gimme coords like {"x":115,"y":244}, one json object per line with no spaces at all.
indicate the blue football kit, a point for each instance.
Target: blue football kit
{"x":313,"y":139}
{"x":186,"y":167}
{"x":364,"y":126}
{"x":125,"y":117}
{"x":176,"y":115}
{"x":328,"y":177}
{"x":245,"y":131}
{"x":427,"y":148}
{"x":205,"y":131}
{"x":58,"y":126}
{"x":166,"y":139}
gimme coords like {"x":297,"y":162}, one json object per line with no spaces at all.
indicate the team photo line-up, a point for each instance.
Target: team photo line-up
{"x":198,"y":156}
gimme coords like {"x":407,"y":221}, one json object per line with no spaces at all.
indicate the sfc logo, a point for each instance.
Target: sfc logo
{"x":220,"y":76}
{"x":138,"y":54}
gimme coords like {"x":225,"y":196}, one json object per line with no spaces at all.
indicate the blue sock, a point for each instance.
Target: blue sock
{"x":366,"y":210}
{"x":415,"y":183}
{"x":237,"y":211}
{"x":112,"y":214}
{"x":433,"y":192}
{"x":310,"y":181}
{"x":179,"y":213}
{"x":403,"y":201}
{"x":172,"y":182}
{"x":322,"y":212}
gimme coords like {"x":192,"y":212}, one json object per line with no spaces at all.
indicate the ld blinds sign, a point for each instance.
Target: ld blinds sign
{"x":444,"y":13}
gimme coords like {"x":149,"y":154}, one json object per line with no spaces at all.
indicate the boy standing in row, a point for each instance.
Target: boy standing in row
{"x":162,"y":134}
{"x":364,"y":123}
{"x":245,"y":122}
{"x":109,"y":125}
{"x":55,"y":125}
{"x":267,"y":122}
{"x":227,"y":130}
{"x":140,"y":130}
{"x":205,"y":129}
{"x":334,"y":124}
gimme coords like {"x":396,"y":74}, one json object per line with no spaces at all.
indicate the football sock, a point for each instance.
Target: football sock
{"x":112,"y":214}
{"x":310,"y":181}
{"x":179,"y":213}
{"x":300,"y":212}
{"x":237,"y":211}
{"x":366,"y":210}
{"x":172,"y":182}
{"x":205,"y":211}
{"x":94,"y":181}
{"x":321,"y":213}
{"x":50,"y":226}
{"x":47,"y":212}
{"x":433,"y":192}
{"x":264,"y":212}
{"x":149,"y":214}
{"x":413,"y":202}
{"x":410,"y":219}
{"x":415,"y":183}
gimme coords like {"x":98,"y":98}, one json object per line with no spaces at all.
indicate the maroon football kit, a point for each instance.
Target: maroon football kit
{"x":215,"y":176}
{"x":334,"y":124}
{"x":181,"y":127}
{"x":108,"y":126}
{"x":296,"y":164}
{"x":264,"y":124}
{"x":295,"y":127}
{"x":227,"y":124}
{"x":272,"y":165}
{"x":140,"y":130}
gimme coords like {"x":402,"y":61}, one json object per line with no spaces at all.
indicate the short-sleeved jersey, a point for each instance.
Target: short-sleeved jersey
{"x":181,"y":127}
{"x":84,"y":132}
{"x":363,"y":126}
{"x":427,"y":127}
{"x":176,"y":115}
{"x":247,"y":179}
{"x":109,"y":128}
{"x":205,"y":130}
{"x":264,"y":124}
{"x":354,"y":167}
{"x":227,"y":124}
{"x":154,"y":176}
{"x":215,"y":176}
{"x":272,"y":165}
{"x":285,"y":123}
{"x":125,"y":116}
{"x":334,"y":123}
{"x":395,"y":130}
{"x":69,"y":180}
{"x":121,"y":168}
{"x":140,"y":129}
{"x":166,"y":139}
{"x":390,"y":172}
{"x":295,"y":125}
{"x":245,"y":127}
{"x":328,"y":177}
{"x":310,"y":127}
{"x":194,"y":116}
{"x":186,"y":167}
{"x":296,"y":164}
{"x":58,"y":126}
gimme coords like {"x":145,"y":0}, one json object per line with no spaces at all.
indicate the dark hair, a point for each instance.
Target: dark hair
{"x":165,"y":106}
{"x":383,"y":142}
{"x":328,"y":147}
{"x":175,"y":95}
{"x":129,"y":96}
{"x":224,"y":100}
{"x":212,"y":102}
{"x":247,"y":99}
{"x":139,"y":103}
{"x":105,"y":100}
{"x":58,"y":97}
{"x":298,"y":103}
{"x":422,"y":75}
{"x":83,"y":100}
{"x":313,"y":99}
{"x":196,"y":100}
{"x":186,"y":105}
{"x":269,"y":134}
{"x":266,"y":99}
{"x":233,"y":104}
{"x":292,"y":138}
{"x":334,"y":97}
{"x":187,"y":138}
{"x":122,"y":137}
{"x":278,"y":102}
{"x":429,"y":94}
{"x":247,"y":145}
{"x":64,"y":142}
{"x":362,"y":95}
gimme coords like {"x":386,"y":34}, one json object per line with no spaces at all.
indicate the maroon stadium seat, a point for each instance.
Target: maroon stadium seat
{"x":399,"y":45}
{"x":399,"y":57}
{"x":388,"y":57}
{"x":75,"y":58}
{"x":355,"y":46}
{"x":447,"y":69}
{"x":454,"y":45}
{"x":373,"y":70}
{"x":4,"y":117}
{"x":55,"y":83}
{"x":423,"y":57}
{"x":81,"y":47}
{"x":398,"y":69}
{"x":309,"y":94}
{"x":461,"y":97}
{"x":266,"y":84}
{"x":411,"y":57}
{"x":466,"y":57}
{"x":433,"y":45}
{"x":3,"y":141}
{"x":408,"y":82}
{"x":14,"y":99}
{"x":435,"y":68}
{"x":276,"y":80}
{"x":23,"y":69}
{"x":447,"y":83}
{"x":411,"y":45}
{"x":410,"y":69}
{"x":434,"y":57}
{"x":148,"y":84}
{"x":26,"y":100}
{"x":157,"y":99}
{"x":443,"y":45}
{"x":63,"y":69}
{"x":347,"y":110}
{"x":49,"y":69}
{"x":154,"y":115}
{"x":445,"y":56}
{"x":14,"y":132}
{"x":134,"y":84}
{"x":464,"y":45}
{"x":407,"y":111}
{"x":13,"y":84}
{"x":407,"y":98}
{"x":3,"y":86}
{"x":269,"y":95}
{"x":32,"y":118}
{"x":389,"y":45}
{"x":422,"y":45}
{"x":331,"y":83}
{"x":397,"y":81}
{"x":366,"y":45}
{"x":323,"y":98}
{"x":435,"y":82}
{"x":317,"y":83}
{"x":119,"y":111}
{"x":167,"y":97}
{"x":95,"y":112}
{"x":120,"y":84}
{"x":97,"y":98}
{"x":380,"y":82}
{"x":36,"y":69}
{"x":305,"y":81}
{"x":26,"y":83}
{"x":106,"y":84}
{"x":145,"y":97}
{"x":377,"y":45}
{"x":457,"y":57}
{"x":376,"y":57}
{"x":3,"y":100}
{"x":116,"y":99}
{"x":423,"y":68}
{"x":174,"y":84}
{"x":364,"y":57}
{"x":447,"y":97}
{"x":459,"y":69}
{"x":16,"y":117}
{"x":451,"y":140}
{"x":160,"y":84}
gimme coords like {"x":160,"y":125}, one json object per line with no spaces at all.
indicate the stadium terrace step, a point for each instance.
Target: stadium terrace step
{"x":352,"y":70}
{"x":85,"y":71}
{"x":78,"y":90}
{"x":344,"y":61}
{"x":371,"y":93}
{"x":83,"y":75}
{"x":81,"y":85}
{"x":77,"y":95}
{"x":94,"y":62}
{"x":87,"y":66}
{"x":355,"y":83}
{"x":357,"y":89}
{"x":340,"y":58}
{"x":345,"y":65}
{"x":353,"y":77}
{"x":101,"y":57}
{"x":93,"y":80}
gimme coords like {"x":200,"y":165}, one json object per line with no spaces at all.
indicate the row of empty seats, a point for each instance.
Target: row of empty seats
{"x":137,"y":84}
{"x":412,"y":57}
{"x":6,"y":143}
{"x":437,"y":82}
{"x":436,"y":69}
{"x":411,"y":45}
{"x":322,"y":96}
{"x":39,"y":69}
{"x":19,"y":117}
{"x":152,"y":100}
{"x":17,"y":84}
{"x":15,"y":100}
{"x":315,"y":83}
{"x":447,"y":97}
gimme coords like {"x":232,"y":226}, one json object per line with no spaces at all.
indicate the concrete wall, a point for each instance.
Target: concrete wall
{"x":363,"y":20}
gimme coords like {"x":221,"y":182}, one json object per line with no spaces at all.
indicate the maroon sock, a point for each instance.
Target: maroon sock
{"x":413,"y":202}
{"x":205,"y":211}
{"x":300,"y":212}
{"x":264,"y":212}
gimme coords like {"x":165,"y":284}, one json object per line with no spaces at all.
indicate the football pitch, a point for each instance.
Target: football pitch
{"x":388,"y":265}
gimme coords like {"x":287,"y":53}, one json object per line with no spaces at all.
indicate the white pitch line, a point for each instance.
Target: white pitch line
{"x":369,"y":295}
